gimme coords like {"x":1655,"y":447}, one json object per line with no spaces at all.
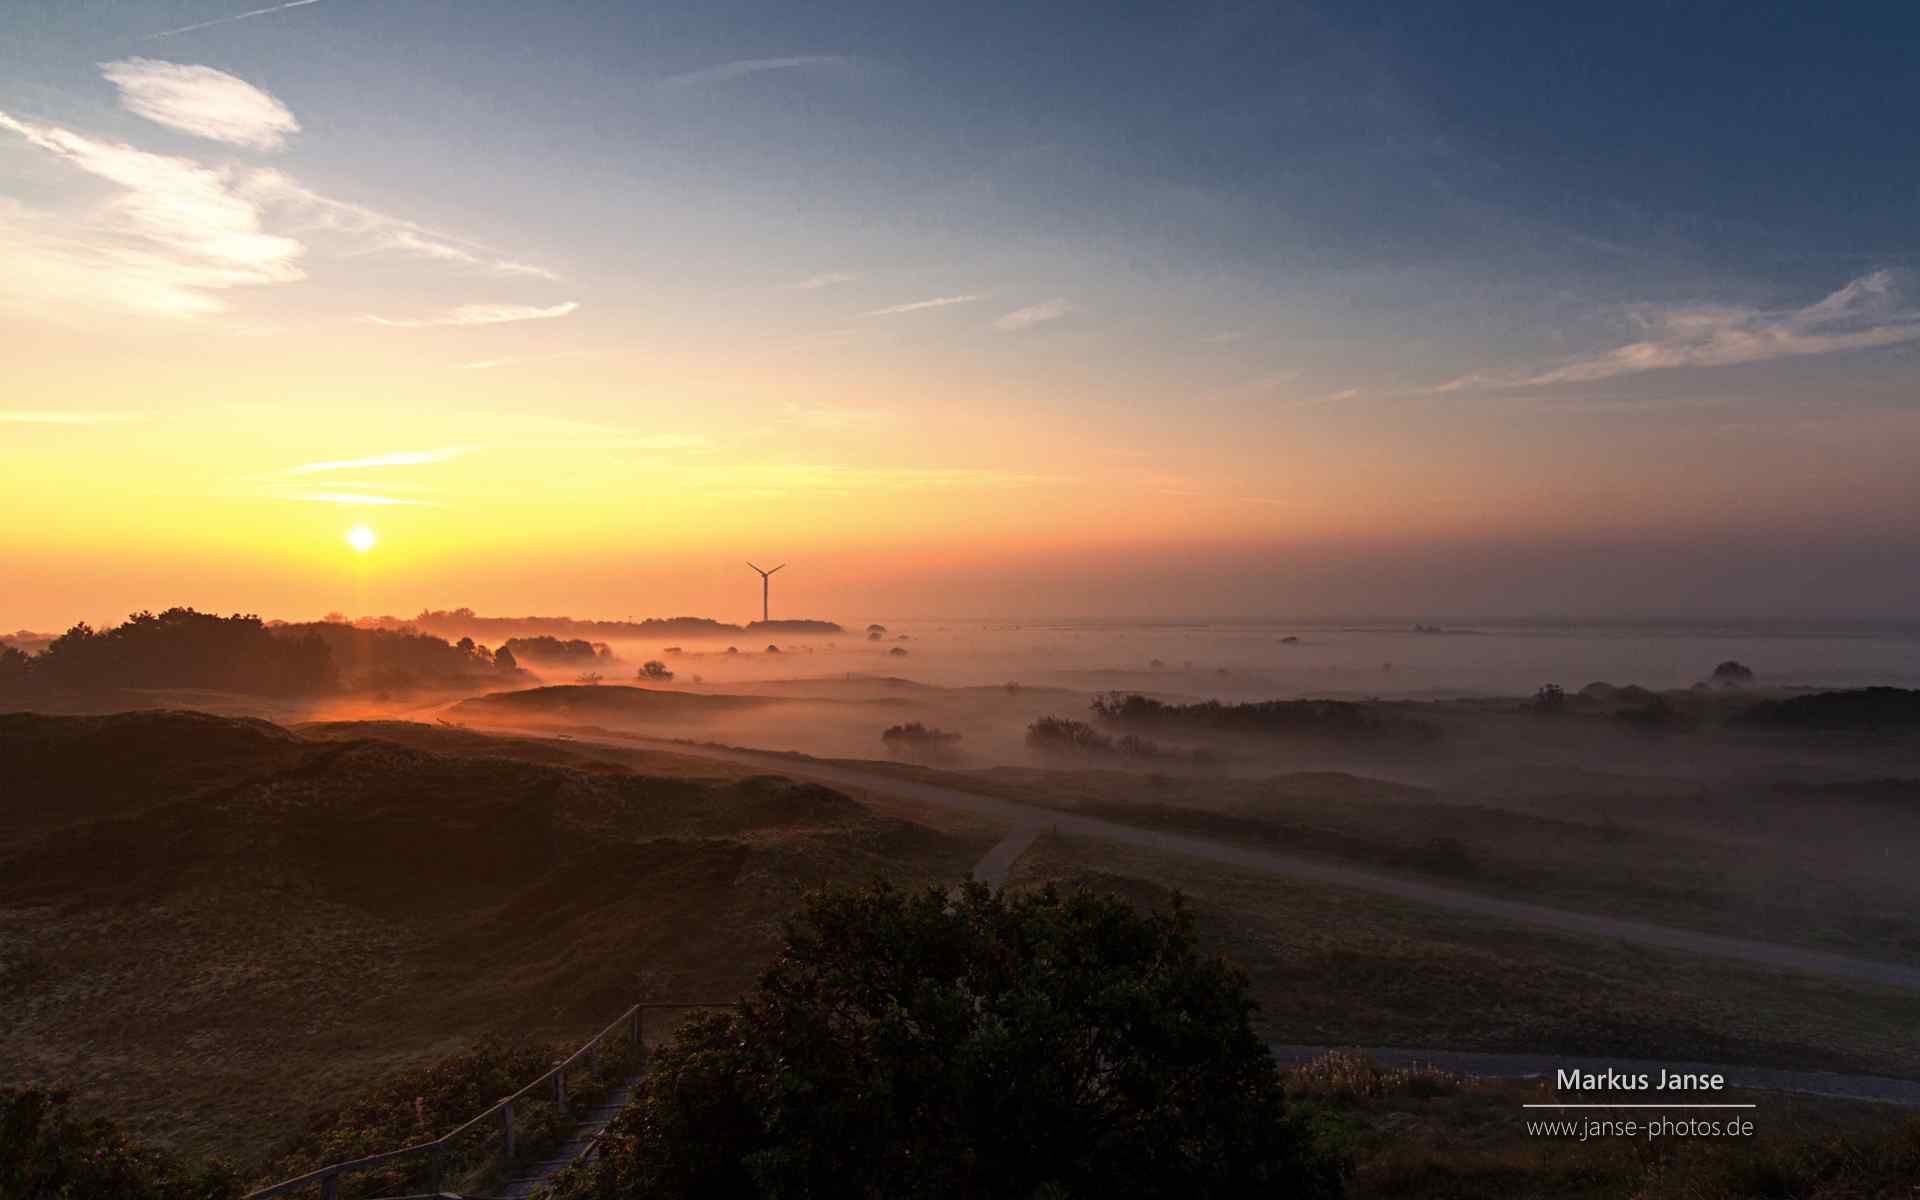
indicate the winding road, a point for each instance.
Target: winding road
{"x":1025,"y":822}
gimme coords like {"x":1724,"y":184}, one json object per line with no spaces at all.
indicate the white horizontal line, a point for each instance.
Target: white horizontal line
{"x":1639,"y":1106}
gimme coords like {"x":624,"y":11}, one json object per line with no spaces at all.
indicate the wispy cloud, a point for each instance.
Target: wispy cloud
{"x":1865,"y":313}
{"x":358,"y":498}
{"x":750,"y":66}
{"x":258,"y":12}
{"x":201,"y":101}
{"x":480,"y":314}
{"x":918,"y":305}
{"x":176,"y":231}
{"x":774,"y":479}
{"x":56,"y":417}
{"x":1033,"y":314}
{"x":371,"y":231}
{"x":397,"y":458}
{"x":816,"y":282}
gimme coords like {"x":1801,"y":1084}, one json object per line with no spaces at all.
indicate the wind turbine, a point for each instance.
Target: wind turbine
{"x":764,"y":576}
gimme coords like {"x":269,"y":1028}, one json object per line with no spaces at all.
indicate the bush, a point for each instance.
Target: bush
{"x":1269,"y":718}
{"x":914,"y":731}
{"x":47,"y":1151}
{"x":968,"y":1045}
{"x":1732,"y":674}
{"x":423,"y":1104}
{"x":1061,"y":734}
{"x":655,"y":670}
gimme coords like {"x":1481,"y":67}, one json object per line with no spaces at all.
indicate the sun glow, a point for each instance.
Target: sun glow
{"x":361,"y":538}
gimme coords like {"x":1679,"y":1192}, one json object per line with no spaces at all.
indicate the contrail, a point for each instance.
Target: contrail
{"x":258,"y":12}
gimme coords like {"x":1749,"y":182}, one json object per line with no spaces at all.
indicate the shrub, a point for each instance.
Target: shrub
{"x":48,"y":1151}
{"x":914,"y":731}
{"x":1350,"y":1075}
{"x":655,"y":670}
{"x":966,"y":1045}
{"x":1061,"y":734}
{"x":1732,"y":673}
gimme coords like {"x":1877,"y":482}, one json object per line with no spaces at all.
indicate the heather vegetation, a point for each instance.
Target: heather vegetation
{"x":50,"y":1151}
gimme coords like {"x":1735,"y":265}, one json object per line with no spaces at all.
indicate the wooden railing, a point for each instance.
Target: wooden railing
{"x":327,"y":1178}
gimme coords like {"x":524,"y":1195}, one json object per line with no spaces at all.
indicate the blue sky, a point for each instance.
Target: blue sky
{"x":1601,"y":275}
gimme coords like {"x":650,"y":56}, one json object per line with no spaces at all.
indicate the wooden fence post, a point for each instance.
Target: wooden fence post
{"x":439,"y":1166}
{"x":330,"y":1188}
{"x":506,"y":1123}
{"x":560,"y":1088}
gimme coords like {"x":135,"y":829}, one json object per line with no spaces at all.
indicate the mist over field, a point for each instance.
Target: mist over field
{"x":1009,"y":602}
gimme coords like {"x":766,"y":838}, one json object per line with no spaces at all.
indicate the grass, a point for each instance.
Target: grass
{"x":1335,"y":967}
{"x":1429,"y":1136}
{"x":1769,"y":867}
{"x":214,"y":948}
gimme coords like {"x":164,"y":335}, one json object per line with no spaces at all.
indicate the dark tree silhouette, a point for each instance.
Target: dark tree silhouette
{"x":1732,"y":674}
{"x":655,"y":670}
{"x":969,"y":1045}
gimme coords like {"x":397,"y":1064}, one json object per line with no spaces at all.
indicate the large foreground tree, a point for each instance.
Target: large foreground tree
{"x":969,"y":1045}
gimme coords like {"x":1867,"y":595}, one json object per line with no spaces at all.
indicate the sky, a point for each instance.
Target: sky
{"x":1102,"y":310}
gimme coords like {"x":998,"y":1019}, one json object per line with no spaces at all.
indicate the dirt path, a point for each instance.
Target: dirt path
{"x":1877,"y":1088}
{"x":1024,"y":818}
{"x":992,"y":870}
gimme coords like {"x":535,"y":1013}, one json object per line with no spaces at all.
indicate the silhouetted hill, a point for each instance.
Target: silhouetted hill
{"x":465,"y":622}
{"x":1858,"y":710}
{"x":581,"y":702}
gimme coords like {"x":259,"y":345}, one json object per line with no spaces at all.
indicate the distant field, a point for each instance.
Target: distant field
{"x":1332,"y":967}
{"x":213,"y":928}
{"x":1743,"y":858}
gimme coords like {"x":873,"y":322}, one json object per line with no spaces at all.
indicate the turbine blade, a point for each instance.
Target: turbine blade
{"x":781,"y":567}
{"x":756,"y":568}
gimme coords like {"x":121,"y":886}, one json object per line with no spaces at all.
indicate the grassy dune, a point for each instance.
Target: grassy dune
{"x":1789,"y":865}
{"x":1332,"y":967}
{"x":213,"y":929}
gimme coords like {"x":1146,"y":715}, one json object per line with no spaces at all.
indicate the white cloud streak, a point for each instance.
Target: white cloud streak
{"x":1865,"y":313}
{"x":480,"y":314}
{"x":1033,"y":314}
{"x":750,"y":66}
{"x":175,"y":231}
{"x":202,"y":102}
{"x":375,"y":231}
{"x":359,"y":498}
{"x":258,"y":12}
{"x":919,"y":305}
{"x":815,"y":283}
{"x":398,"y":458}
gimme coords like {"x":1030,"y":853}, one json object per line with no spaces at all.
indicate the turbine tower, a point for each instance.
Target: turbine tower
{"x":764,"y":576}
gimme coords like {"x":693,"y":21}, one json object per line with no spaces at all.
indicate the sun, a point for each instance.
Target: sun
{"x":361,"y":538}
